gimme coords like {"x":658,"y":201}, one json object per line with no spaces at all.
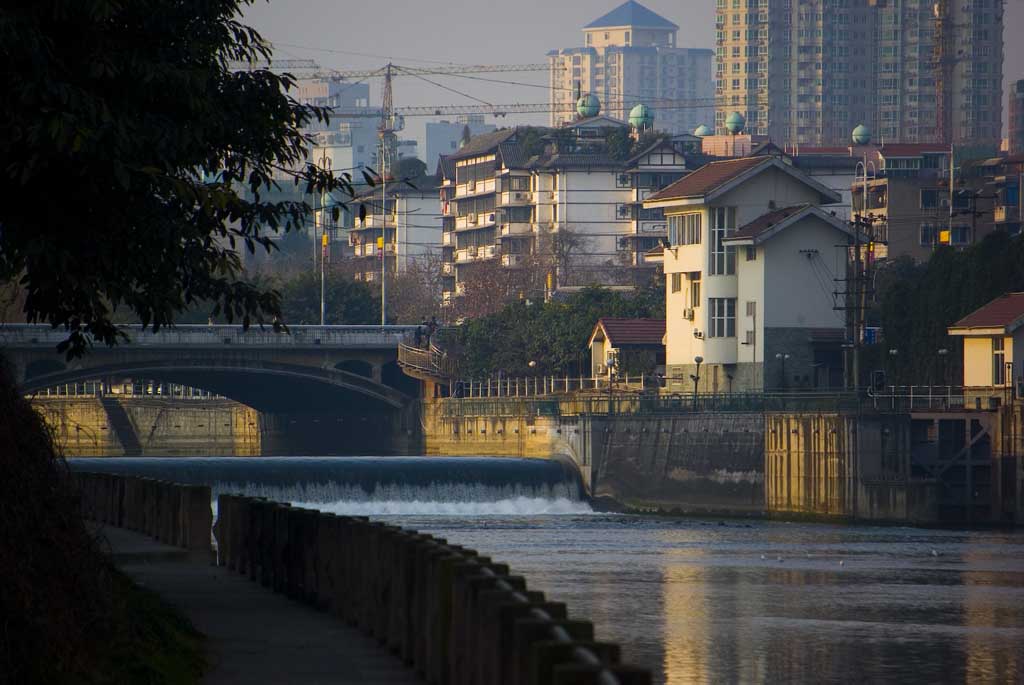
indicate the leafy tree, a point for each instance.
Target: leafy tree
{"x":126,"y":138}
{"x":919,"y":301}
{"x":553,"y":335}
{"x":345,"y":301}
{"x":620,"y":145}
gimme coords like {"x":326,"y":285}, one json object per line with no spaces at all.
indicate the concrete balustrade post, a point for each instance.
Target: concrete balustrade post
{"x":545,"y":656}
{"x":490,"y":604}
{"x":311,"y":556}
{"x":327,"y":545}
{"x":527,"y":631}
{"x":579,"y":674}
{"x":504,"y":628}
{"x":220,"y":529}
{"x":197,"y":517}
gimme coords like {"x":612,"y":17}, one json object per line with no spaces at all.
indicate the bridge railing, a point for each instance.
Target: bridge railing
{"x":30,"y":335}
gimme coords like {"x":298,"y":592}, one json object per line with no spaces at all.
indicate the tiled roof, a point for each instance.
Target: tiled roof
{"x":574,"y":160}
{"x":483,"y":143}
{"x":708,"y":177}
{"x":766,"y":221}
{"x":446,"y":167}
{"x":632,"y":14}
{"x":1004,"y":311}
{"x":831,"y":150}
{"x":512,"y":156}
{"x":632,"y":331}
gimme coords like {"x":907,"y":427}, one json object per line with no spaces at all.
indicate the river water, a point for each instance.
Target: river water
{"x":694,"y":600}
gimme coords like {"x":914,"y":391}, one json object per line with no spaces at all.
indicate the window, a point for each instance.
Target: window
{"x":695,"y":289}
{"x":684,"y":229}
{"x":751,"y":253}
{"x":961,"y":235}
{"x":928,"y":235}
{"x":929,"y":198}
{"x":723,"y":317}
{"x":723,"y":259}
{"x":677,"y":282}
{"x":998,"y":361}
{"x":519,"y":183}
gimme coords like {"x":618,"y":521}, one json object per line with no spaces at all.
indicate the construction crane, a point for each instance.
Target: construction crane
{"x":316,"y":71}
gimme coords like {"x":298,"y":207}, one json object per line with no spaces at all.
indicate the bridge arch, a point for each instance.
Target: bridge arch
{"x":263,"y":385}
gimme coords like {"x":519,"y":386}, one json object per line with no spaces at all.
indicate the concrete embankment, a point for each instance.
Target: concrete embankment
{"x":454,"y":615}
{"x":134,"y":426}
{"x":844,"y":463}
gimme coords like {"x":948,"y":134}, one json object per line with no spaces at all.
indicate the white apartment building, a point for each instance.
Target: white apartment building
{"x":750,"y":275}
{"x":407,"y":229}
{"x":577,"y":215}
{"x":630,"y":57}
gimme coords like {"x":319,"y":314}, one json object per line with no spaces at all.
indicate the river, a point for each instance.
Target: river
{"x":694,"y":600}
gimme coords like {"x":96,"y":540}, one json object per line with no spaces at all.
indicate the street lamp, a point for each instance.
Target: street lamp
{"x":943,"y":353}
{"x":782,"y":357}
{"x":695,"y":377}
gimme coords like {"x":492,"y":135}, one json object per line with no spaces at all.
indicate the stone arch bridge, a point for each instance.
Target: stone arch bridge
{"x":295,"y":379}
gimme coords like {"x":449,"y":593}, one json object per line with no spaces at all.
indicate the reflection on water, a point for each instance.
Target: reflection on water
{"x":695,"y":601}
{"x":708,"y":602}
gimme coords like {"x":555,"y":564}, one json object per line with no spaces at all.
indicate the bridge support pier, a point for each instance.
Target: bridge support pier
{"x":340,"y":432}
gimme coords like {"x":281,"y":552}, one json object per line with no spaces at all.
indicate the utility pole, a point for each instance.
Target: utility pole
{"x":325,"y":163}
{"x":386,"y":130}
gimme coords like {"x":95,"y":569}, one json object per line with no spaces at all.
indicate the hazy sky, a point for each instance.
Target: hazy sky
{"x":424,"y":32}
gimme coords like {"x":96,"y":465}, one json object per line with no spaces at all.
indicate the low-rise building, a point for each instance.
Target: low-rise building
{"x":627,"y":346}
{"x":750,"y":274}
{"x":993,"y":349}
{"x":405,"y":228}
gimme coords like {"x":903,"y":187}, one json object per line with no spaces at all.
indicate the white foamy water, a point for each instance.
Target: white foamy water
{"x":432,"y":499}
{"x":514,"y":506}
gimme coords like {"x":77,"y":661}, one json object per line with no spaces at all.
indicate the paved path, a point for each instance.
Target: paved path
{"x":253,"y":635}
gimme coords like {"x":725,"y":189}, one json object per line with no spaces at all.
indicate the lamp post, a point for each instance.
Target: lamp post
{"x":782,"y":357}
{"x":325,"y":164}
{"x":695,"y":377}
{"x":943,"y":353}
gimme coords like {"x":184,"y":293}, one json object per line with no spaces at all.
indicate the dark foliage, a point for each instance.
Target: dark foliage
{"x":919,"y":301}
{"x":345,"y":300}
{"x":126,"y":139}
{"x":553,"y":335}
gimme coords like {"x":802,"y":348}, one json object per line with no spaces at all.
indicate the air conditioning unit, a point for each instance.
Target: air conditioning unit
{"x":520,"y":197}
{"x":471,"y":219}
{"x":470,"y":186}
{"x":471,"y":251}
{"x":699,"y":335}
{"x":688,"y":313}
{"x":490,"y":218}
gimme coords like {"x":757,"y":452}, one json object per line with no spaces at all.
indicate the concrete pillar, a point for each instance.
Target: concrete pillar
{"x":546,"y":656}
{"x":527,"y":631}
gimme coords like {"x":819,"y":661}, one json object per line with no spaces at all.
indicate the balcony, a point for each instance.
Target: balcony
{"x":1006,"y":213}
{"x":475,"y":220}
{"x":515,"y":197}
{"x":446,"y":238}
{"x":516,"y":228}
{"x":487,"y":252}
{"x":512,"y":259}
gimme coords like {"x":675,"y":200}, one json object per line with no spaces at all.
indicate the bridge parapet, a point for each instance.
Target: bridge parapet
{"x":352,"y":337}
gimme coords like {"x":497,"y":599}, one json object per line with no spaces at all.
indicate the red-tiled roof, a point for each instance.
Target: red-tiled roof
{"x":1004,"y":311}
{"x":766,"y":221}
{"x":632,"y":331}
{"x":911,"y":149}
{"x":708,"y":177}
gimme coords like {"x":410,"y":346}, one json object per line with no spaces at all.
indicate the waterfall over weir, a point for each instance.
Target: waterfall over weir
{"x":376,"y":486}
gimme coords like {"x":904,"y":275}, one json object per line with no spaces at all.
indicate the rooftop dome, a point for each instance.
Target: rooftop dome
{"x":641,"y":117}
{"x":735,"y":122}
{"x":861,"y":135}
{"x":588,"y":106}
{"x":702,"y":131}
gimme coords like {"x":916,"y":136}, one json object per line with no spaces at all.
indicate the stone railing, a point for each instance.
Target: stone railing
{"x":173,"y":513}
{"x":455,"y":615}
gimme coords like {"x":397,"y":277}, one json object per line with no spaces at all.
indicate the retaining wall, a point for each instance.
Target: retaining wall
{"x":454,"y":615}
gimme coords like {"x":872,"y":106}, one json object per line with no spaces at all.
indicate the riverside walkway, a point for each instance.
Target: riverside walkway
{"x":253,"y":636}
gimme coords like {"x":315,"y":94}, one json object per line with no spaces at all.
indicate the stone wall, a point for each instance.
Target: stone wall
{"x":161,"y":427}
{"x":844,"y":466}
